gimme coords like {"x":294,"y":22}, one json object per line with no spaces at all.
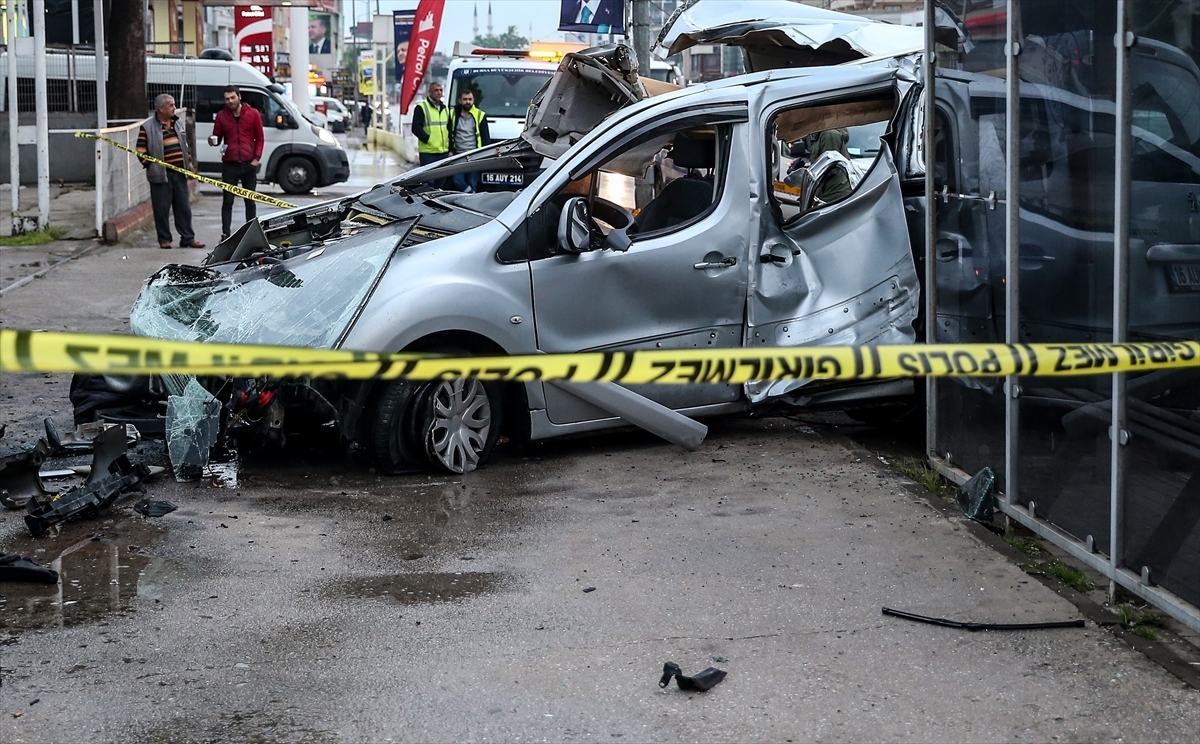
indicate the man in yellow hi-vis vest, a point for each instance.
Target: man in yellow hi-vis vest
{"x":430,"y":123}
{"x":468,"y":130}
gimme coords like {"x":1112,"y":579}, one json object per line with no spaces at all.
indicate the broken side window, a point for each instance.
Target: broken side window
{"x":823,"y":151}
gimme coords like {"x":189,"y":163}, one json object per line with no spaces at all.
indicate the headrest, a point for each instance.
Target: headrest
{"x":693,"y":153}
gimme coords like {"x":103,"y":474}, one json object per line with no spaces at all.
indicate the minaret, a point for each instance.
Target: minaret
{"x":489,"y":18}
{"x":475,"y":25}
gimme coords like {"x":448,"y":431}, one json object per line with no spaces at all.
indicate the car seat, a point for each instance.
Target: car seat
{"x":684,"y":198}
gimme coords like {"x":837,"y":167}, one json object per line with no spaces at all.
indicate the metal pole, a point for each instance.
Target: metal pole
{"x":298,"y":55}
{"x":101,"y":110}
{"x":42,"y":115}
{"x":1012,"y":245}
{"x":1119,"y":432}
{"x":641,"y":35}
{"x":14,"y":123}
{"x":75,"y":22}
{"x":930,"y":224}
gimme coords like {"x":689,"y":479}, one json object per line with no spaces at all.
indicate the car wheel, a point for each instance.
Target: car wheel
{"x":390,"y":438}
{"x":296,"y":175}
{"x":457,"y":423}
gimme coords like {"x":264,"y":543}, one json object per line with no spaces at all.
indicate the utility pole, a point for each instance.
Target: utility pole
{"x":298,"y":55}
{"x":42,"y":115}
{"x":641,"y":35}
{"x":14,"y":147}
{"x":101,"y":110}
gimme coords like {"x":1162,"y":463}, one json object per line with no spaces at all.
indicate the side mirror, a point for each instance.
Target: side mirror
{"x":282,"y":122}
{"x":575,"y":226}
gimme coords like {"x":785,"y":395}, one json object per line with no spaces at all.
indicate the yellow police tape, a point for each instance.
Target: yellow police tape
{"x":52,"y":351}
{"x":234,"y":189}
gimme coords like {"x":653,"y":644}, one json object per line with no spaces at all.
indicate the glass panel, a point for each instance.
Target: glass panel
{"x":1162,"y":476}
{"x":1067,"y":156}
{"x":969,"y":254}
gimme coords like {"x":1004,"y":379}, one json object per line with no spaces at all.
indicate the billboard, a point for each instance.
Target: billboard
{"x":592,"y":16}
{"x":366,"y":72}
{"x":252,"y":37}
{"x":402,"y":26}
{"x":320,"y":33}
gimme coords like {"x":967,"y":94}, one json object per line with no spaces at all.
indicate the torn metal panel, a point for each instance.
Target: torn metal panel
{"x":588,"y":87}
{"x":777,"y":33}
{"x":842,"y":274}
{"x":193,"y":426}
{"x":639,"y":411}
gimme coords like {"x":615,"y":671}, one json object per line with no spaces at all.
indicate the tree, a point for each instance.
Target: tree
{"x":126,"y":60}
{"x":510,"y":39}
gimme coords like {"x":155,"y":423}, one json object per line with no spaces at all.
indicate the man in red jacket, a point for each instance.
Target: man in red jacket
{"x":240,"y":128}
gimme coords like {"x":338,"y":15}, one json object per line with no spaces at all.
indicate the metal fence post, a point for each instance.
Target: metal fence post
{"x":1012,"y":246}
{"x":930,"y":224}
{"x":1118,"y":432}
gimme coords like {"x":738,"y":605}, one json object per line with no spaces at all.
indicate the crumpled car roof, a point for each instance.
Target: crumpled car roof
{"x":782,"y":23}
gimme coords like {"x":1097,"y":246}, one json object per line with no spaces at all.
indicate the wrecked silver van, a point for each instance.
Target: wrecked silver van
{"x":661,"y":218}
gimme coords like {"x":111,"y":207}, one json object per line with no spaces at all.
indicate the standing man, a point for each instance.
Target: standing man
{"x":162,"y":136}
{"x":240,"y":128}
{"x":364,"y":115}
{"x":468,"y":130}
{"x":430,"y":123}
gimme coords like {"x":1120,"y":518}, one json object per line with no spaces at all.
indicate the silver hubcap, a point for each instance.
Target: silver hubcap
{"x":462,"y":417}
{"x":298,"y":174}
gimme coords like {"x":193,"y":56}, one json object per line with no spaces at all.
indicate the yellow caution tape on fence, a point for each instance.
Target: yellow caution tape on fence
{"x":232,"y":188}
{"x":50,"y":351}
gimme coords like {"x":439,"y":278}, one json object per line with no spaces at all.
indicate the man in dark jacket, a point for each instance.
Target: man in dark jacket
{"x":240,"y":128}
{"x":162,"y":136}
{"x":468,"y":129}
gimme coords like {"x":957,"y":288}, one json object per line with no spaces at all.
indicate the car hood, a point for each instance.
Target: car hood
{"x":780,"y":33}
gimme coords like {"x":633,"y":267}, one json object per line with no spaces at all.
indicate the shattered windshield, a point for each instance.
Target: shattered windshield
{"x":308,"y":300}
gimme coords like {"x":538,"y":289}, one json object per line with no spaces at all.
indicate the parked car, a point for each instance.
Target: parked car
{"x":336,"y":113}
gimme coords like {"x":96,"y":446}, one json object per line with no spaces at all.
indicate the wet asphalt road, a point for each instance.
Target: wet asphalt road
{"x":315,"y":600}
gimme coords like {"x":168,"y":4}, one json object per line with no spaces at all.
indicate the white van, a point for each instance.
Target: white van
{"x":298,"y":155}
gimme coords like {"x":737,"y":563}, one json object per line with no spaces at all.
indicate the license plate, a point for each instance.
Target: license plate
{"x":504,"y":179}
{"x":1184,"y":277}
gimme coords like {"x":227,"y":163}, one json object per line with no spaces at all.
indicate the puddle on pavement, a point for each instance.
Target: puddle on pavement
{"x":97,"y":578}
{"x":418,"y":588}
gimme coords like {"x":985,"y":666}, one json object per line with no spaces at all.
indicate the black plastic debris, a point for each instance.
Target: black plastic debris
{"x":976,"y":497}
{"x":154,"y":508}
{"x":14,"y":568}
{"x":982,"y":626}
{"x":705,"y":680}
{"x":112,"y":474}
{"x":19,"y":480}
{"x":81,"y":439}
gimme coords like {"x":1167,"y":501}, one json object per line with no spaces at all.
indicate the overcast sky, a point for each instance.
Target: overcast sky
{"x":536,"y":20}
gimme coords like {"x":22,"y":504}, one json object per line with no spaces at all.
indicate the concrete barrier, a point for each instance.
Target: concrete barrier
{"x":397,"y":143}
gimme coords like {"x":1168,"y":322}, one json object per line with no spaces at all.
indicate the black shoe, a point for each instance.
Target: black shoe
{"x":224,"y":238}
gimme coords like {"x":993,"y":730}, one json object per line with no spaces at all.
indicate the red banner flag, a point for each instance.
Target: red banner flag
{"x":420,"y":49}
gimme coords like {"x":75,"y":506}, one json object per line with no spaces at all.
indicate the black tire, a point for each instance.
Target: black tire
{"x":296,"y":175}
{"x":390,"y":438}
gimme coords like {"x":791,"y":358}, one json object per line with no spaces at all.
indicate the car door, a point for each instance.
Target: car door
{"x":832,"y":262}
{"x":682,"y":281}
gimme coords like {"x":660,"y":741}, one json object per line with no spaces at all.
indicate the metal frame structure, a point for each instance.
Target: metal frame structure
{"x":1110,"y":566}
